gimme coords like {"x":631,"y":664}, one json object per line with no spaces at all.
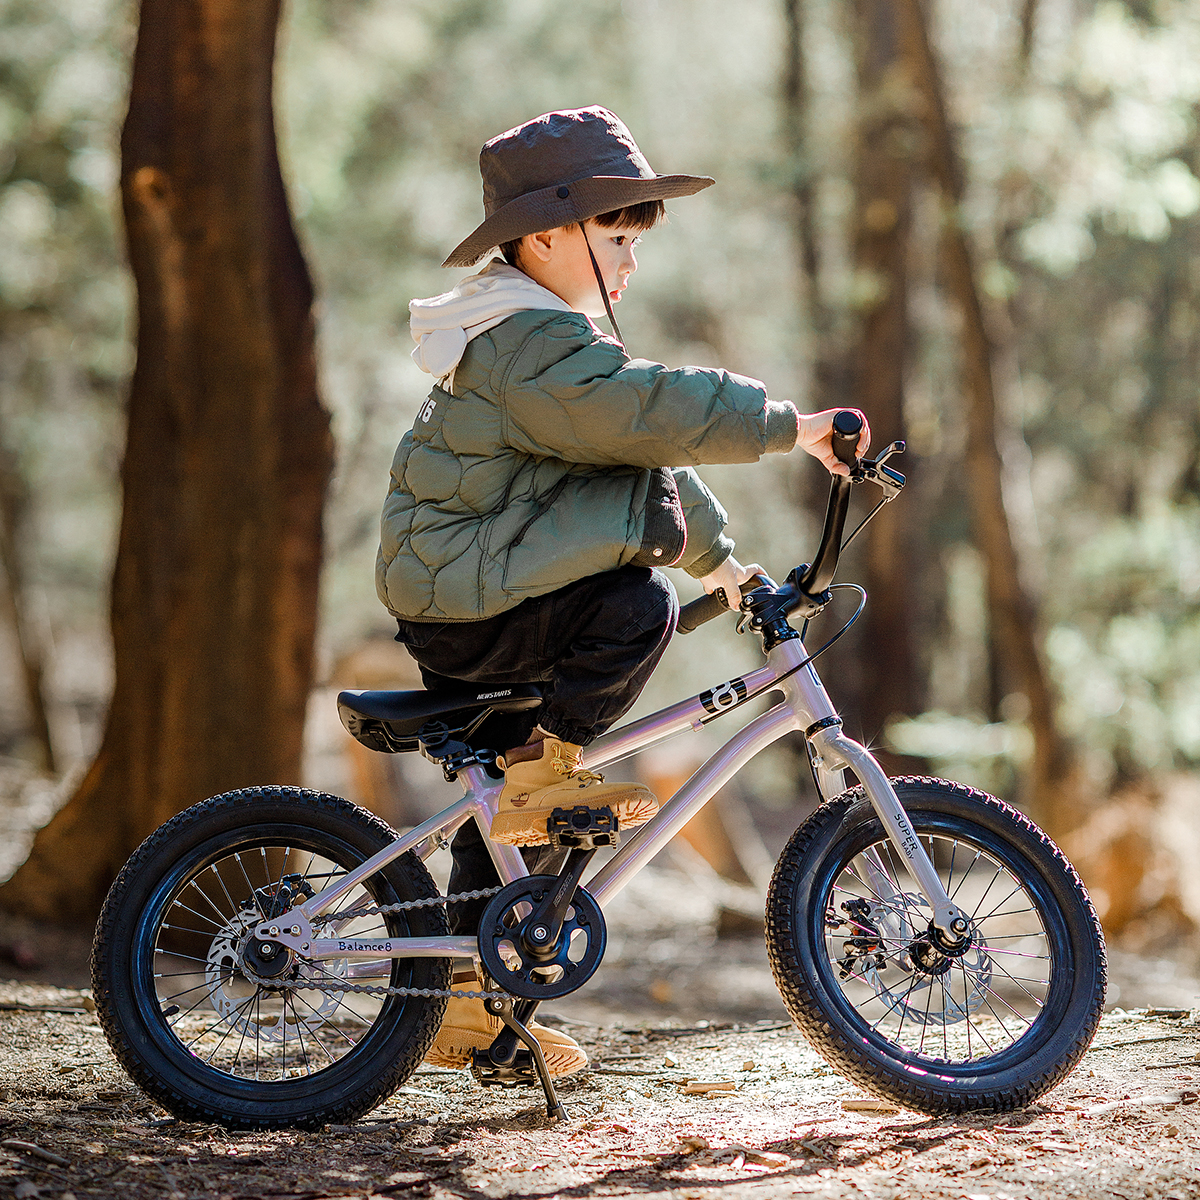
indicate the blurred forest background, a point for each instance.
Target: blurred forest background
{"x":977,"y":219}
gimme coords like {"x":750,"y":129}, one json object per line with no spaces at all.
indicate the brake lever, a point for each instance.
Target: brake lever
{"x":891,"y":481}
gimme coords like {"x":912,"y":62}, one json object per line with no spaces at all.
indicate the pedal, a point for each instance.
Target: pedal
{"x":582,"y":828}
{"x":520,"y":1073}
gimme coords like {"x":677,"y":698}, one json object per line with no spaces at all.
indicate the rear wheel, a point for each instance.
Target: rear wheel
{"x":938,"y":1028}
{"x":187,"y":1023}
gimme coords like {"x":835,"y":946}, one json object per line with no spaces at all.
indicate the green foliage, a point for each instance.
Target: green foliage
{"x":64,"y":294}
{"x":1083,"y":203}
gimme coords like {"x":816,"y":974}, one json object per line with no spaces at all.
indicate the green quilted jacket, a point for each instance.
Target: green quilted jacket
{"x":557,"y":457}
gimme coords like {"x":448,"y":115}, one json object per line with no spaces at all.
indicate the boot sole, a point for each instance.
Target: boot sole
{"x":560,"y":1061}
{"x":529,"y":828}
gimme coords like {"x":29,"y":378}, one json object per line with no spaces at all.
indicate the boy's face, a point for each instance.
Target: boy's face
{"x":558,"y":260}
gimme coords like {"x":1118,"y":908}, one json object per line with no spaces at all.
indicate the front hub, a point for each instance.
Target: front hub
{"x":932,"y":954}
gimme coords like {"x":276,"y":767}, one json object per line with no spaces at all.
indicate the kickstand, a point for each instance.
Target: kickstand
{"x":504,"y":1010}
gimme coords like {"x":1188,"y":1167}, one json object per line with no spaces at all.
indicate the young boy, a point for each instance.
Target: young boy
{"x":547,"y":479}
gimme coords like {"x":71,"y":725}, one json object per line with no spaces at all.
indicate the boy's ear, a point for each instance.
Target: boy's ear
{"x":540,"y":245}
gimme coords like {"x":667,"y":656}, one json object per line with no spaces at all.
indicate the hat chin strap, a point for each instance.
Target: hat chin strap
{"x":603,"y":290}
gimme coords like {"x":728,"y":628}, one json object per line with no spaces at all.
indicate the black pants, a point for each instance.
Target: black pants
{"x":593,"y":644}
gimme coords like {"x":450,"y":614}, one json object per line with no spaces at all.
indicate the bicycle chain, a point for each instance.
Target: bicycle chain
{"x":291,"y":985}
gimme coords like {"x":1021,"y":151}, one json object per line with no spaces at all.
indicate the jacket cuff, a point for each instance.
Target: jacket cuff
{"x":707,"y":563}
{"x":783,"y":426}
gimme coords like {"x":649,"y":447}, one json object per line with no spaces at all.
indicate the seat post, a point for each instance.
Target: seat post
{"x":485,"y":791}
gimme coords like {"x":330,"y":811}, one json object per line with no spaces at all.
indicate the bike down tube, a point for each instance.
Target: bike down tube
{"x":947,"y":916}
{"x":690,"y":798}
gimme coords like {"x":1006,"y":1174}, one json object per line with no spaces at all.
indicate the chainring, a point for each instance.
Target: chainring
{"x":557,"y":972}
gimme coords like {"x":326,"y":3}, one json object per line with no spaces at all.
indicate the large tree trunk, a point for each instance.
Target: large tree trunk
{"x":214,"y":598}
{"x":1052,"y":790}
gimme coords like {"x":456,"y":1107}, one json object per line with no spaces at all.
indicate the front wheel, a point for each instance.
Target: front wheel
{"x":989,"y":1025}
{"x":319,"y":1043}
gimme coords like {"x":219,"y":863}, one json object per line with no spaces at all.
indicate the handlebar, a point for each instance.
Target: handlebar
{"x":807,"y":587}
{"x":712,"y":605}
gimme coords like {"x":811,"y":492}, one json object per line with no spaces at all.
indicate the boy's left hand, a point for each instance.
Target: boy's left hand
{"x":730,"y":576}
{"x":816,"y":433}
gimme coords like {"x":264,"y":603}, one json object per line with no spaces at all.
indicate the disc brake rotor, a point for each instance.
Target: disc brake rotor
{"x":232,"y":995}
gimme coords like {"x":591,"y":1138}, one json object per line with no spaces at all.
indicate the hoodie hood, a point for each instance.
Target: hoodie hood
{"x":443,"y":325}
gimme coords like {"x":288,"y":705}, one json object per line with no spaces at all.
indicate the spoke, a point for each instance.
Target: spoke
{"x":983,"y":896}
{"x":1020,"y":981}
{"x":1018,"y":888}
{"x":299,"y":1035}
{"x":967,"y":873}
{"x":194,"y":884}
{"x":328,"y":1025}
{"x":222,"y":924}
{"x":187,"y":929}
{"x":233,"y":905}
{"x":185,"y":957}
{"x":998,"y":1019}
{"x":241,"y":867}
{"x":925,"y":1025}
{"x":1015,"y":953}
{"x":1015,"y":913}
{"x":221,"y":1040}
{"x":992,"y":992}
{"x":175,"y":995}
{"x":341,"y":1004}
{"x":219,"y":1022}
{"x":237,"y":1054}
{"x":950,"y":872}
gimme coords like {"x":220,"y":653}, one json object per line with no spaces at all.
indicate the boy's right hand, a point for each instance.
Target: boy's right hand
{"x":816,"y":437}
{"x":729,"y":577}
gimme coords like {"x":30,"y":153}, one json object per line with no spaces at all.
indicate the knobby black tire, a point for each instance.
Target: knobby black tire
{"x":131,"y":1013}
{"x":797,"y":904}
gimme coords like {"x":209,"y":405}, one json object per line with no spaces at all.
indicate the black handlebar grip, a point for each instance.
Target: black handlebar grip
{"x":712,"y":605}
{"x":707,"y":608}
{"x":847,"y":425}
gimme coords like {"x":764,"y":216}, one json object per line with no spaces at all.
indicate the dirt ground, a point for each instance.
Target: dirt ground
{"x":672,"y":1001}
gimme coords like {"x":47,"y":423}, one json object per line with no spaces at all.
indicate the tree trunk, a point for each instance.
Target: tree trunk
{"x":214,"y":595}
{"x":883,"y":220}
{"x":1053,"y":780}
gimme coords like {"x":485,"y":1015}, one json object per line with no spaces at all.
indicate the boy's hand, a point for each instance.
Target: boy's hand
{"x":816,"y":431}
{"x":730,"y":576}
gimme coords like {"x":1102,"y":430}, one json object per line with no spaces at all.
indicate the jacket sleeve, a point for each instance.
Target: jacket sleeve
{"x":571,"y":393}
{"x":707,"y":544}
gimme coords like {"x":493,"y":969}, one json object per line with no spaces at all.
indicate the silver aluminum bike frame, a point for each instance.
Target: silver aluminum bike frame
{"x":804,"y":704}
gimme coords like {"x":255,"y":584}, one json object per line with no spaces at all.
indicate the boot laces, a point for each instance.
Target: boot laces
{"x":570,"y":768}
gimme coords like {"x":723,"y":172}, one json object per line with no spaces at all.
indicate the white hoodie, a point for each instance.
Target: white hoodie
{"x":443,"y":325}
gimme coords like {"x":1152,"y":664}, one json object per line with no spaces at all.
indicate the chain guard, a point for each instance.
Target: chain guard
{"x":572,"y":962}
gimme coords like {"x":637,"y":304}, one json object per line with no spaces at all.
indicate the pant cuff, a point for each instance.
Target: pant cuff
{"x":565,"y":732}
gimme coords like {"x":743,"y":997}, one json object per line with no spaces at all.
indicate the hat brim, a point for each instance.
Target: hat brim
{"x":586,"y":198}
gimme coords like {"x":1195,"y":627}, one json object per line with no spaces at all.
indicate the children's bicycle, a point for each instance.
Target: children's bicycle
{"x":277,"y":957}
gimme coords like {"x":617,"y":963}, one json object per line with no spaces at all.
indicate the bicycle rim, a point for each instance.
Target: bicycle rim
{"x":201,"y":1006}
{"x":939,"y":1008}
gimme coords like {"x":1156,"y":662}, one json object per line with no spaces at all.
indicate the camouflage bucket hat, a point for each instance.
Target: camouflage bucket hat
{"x":559,"y":169}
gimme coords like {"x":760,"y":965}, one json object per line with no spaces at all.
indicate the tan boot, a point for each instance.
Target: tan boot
{"x":557,"y":778}
{"x":468,"y":1026}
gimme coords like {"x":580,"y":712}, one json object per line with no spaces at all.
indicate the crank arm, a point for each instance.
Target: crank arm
{"x":542,"y":927}
{"x":953,"y":923}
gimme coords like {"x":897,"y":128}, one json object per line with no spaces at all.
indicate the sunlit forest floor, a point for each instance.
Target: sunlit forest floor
{"x":673,"y":1000}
